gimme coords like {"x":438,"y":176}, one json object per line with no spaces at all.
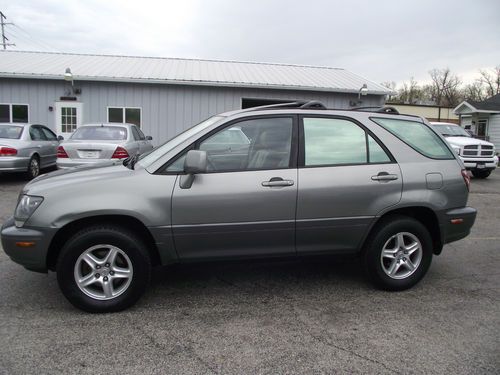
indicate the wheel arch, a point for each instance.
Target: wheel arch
{"x":424,"y":215}
{"x":127,"y":222}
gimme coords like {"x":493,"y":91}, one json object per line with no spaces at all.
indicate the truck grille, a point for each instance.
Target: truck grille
{"x":478,"y":150}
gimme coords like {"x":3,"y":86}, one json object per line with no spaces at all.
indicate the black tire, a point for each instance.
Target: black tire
{"x":380,"y":236}
{"x":33,"y":168}
{"x":481,"y":173}
{"x":128,"y":243}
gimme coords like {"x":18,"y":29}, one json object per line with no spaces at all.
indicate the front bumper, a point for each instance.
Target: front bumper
{"x":457,"y":223}
{"x":14,"y":164}
{"x":477,"y":163}
{"x":33,"y":258}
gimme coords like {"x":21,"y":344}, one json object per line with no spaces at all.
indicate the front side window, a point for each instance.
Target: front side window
{"x":256,"y":144}
{"x":37,"y":134}
{"x":418,"y":136}
{"x":14,"y":113}
{"x":48,"y":134}
{"x":125,"y":115}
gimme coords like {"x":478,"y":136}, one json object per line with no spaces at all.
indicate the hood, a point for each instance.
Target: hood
{"x":463,"y":141}
{"x":76,"y":176}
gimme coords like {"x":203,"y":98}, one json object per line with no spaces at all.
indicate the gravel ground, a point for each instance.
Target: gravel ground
{"x":277,"y":317}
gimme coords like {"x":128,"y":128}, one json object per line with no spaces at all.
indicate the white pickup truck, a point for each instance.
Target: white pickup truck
{"x":478,"y":156}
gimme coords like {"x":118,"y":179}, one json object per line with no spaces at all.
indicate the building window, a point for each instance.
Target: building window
{"x":127,"y":115}
{"x":14,"y":113}
{"x":68,"y":119}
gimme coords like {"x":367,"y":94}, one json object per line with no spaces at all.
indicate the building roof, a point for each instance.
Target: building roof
{"x":490,"y":105}
{"x":47,"y":65}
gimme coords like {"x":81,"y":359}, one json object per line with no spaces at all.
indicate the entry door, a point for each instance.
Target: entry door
{"x":245,"y":204}
{"x":68,"y":117}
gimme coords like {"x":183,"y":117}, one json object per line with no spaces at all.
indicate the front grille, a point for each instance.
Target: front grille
{"x":478,"y":150}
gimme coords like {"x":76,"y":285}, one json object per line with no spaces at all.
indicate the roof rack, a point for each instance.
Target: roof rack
{"x":303,"y":104}
{"x":383,"y":109}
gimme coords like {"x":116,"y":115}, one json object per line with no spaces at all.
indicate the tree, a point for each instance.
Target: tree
{"x":491,"y":79}
{"x":445,"y":87}
{"x":391,"y":85}
{"x":474,"y":92}
{"x":410,"y":93}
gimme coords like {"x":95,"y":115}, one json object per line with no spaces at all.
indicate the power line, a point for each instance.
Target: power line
{"x":3,"y":24}
{"x":35,"y":40}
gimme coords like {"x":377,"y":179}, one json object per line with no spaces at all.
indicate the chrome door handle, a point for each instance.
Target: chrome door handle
{"x":277,"y":181}
{"x":384,"y":176}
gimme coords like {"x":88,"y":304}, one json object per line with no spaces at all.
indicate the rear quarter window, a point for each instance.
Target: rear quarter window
{"x":418,"y":136}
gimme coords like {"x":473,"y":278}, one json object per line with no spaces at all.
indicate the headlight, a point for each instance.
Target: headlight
{"x":456,"y":149}
{"x":25,"y":208}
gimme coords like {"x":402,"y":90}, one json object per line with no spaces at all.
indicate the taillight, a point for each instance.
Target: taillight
{"x":120,"y":153}
{"x":8,"y":151}
{"x":466,"y":177}
{"x":61,"y":152}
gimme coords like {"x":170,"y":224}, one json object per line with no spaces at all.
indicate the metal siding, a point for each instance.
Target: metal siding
{"x":166,"y":109}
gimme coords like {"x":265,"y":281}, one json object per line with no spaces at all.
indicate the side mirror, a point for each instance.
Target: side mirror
{"x":196,"y":162}
{"x":60,"y":138}
{"x":149,"y":138}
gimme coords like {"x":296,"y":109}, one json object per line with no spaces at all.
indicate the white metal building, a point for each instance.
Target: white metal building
{"x":162,"y":95}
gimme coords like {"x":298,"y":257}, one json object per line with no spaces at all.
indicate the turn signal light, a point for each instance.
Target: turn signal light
{"x":61,"y":152}
{"x":25,"y":244}
{"x":120,"y":153}
{"x":8,"y":151}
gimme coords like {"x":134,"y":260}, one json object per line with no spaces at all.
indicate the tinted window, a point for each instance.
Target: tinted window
{"x":100,"y":133}
{"x":36,"y":134}
{"x":418,"y":136}
{"x":19,"y":113}
{"x":4,"y":113}
{"x":48,"y":134}
{"x":133,"y":116}
{"x":11,"y":131}
{"x":141,"y":134}
{"x":135,"y":133}
{"x":376,"y":152}
{"x":333,"y":141}
{"x":231,"y":148}
{"x":115,"y":115}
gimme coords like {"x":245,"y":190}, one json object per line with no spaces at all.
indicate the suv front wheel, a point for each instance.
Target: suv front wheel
{"x":398,"y":253}
{"x":103,"y":269}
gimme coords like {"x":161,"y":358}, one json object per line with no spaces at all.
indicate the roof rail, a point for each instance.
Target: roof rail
{"x":302,"y":104}
{"x":383,"y":109}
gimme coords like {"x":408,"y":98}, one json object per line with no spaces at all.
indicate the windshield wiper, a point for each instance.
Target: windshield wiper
{"x":130,"y":161}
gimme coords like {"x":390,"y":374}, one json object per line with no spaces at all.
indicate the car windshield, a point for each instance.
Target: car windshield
{"x":148,"y":158}
{"x":11,"y":131}
{"x":100,"y":133}
{"x":451,"y":130}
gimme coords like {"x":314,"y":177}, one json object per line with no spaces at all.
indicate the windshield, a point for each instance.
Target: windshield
{"x":451,"y":130}
{"x":100,"y":133}
{"x":150,"y":157}
{"x":11,"y":131}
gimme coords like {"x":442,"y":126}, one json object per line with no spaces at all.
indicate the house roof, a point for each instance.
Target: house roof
{"x":85,"y":67}
{"x":490,"y":105}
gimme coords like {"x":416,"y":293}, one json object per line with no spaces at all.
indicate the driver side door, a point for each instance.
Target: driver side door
{"x":244,"y":205}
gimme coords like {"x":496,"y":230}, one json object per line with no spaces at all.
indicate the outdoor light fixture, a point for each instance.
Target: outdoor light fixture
{"x":68,"y":76}
{"x":363,"y":91}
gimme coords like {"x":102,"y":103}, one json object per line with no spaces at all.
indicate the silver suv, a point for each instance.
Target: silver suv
{"x":293,"y":179}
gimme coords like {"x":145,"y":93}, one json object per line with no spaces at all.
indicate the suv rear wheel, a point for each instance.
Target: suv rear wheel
{"x":398,"y":253}
{"x":103,"y":269}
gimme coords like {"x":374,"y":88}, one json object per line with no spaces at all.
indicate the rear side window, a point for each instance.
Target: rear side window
{"x":418,"y":136}
{"x":333,"y":141}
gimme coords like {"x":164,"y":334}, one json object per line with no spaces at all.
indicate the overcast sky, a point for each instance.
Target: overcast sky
{"x":380,"y":40}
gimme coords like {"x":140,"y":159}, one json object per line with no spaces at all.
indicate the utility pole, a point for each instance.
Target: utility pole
{"x":4,"y":38}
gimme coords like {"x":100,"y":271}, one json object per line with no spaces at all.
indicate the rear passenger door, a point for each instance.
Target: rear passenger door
{"x":345,"y":178}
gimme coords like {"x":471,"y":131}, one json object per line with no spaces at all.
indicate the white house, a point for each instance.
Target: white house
{"x":482,"y":118}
